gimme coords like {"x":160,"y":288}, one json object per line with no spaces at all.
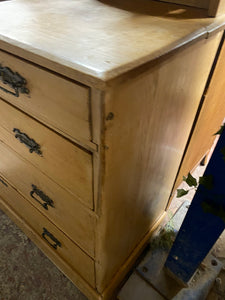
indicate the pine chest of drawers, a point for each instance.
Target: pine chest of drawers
{"x":96,"y":105}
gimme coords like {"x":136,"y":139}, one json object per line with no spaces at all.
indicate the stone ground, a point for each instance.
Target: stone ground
{"x":218,"y":290}
{"x":26,"y":273}
{"x":146,"y":290}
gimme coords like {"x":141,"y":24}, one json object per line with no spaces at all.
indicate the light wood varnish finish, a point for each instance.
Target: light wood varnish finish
{"x":126,"y":79}
{"x":67,"y":209}
{"x":69,"y":115}
{"x":65,"y":163}
{"x":36,"y":221}
{"x":211,"y":116}
{"x":144,"y":143}
{"x":129,"y":34}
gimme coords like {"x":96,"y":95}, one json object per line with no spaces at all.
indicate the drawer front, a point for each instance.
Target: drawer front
{"x":65,"y":163}
{"x":54,"y":202}
{"x":58,"y":102}
{"x":53,"y":237}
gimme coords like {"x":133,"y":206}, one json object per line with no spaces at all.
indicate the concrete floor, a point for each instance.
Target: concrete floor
{"x":137,"y":288}
{"x":26,"y":273}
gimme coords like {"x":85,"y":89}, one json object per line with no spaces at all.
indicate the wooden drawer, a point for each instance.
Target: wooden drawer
{"x":65,"y":163}
{"x":77,"y":221}
{"x":67,"y":250}
{"x":58,"y":102}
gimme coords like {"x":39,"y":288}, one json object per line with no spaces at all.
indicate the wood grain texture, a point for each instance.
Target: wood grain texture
{"x":57,"y":260}
{"x":216,"y":7}
{"x":209,"y":121}
{"x":194,"y":3}
{"x":68,"y":251}
{"x":68,"y":213}
{"x":65,"y":163}
{"x":54,"y":100}
{"x":143,"y":147}
{"x":130,"y":33}
{"x":131,"y":123}
{"x":97,"y":100}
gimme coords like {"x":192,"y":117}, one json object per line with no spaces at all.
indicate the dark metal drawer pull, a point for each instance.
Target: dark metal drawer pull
{"x":47,"y":233}
{"x":45,"y":198}
{"x":14,"y":80}
{"x":3,"y":182}
{"x":27,"y":141}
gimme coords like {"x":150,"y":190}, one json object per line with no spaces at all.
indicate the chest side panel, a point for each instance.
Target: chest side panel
{"x":147,"y":122}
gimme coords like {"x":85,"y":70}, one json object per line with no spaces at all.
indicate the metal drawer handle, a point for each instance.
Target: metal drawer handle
{"x":14,"y":80}
{"x":48,"y":234}
{"x":27,"y":141}
{"x":45,"y":198}
{"x":3,"y":182}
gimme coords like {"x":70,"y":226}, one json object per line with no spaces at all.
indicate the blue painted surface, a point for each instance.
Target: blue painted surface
{"x":203,"y":223}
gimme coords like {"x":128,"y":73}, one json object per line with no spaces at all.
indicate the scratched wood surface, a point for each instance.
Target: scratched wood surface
{"x":101,"y":39}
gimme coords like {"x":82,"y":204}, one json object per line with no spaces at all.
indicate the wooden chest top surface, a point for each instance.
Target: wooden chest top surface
{"x":99,"y":39}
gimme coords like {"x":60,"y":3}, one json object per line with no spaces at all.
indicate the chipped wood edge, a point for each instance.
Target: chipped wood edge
{"x":96,"y":115}
{"x":97,"y":98}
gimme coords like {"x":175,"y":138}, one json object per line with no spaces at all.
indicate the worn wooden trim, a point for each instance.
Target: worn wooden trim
{"x":96,"y":112}
{"x":97,"y":98}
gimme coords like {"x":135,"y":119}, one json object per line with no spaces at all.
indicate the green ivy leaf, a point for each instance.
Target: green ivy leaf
{"x":181,"y":193}
{"x":190,"y":180}
{"x":206,"y":181}
{"x":220,"y":130}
